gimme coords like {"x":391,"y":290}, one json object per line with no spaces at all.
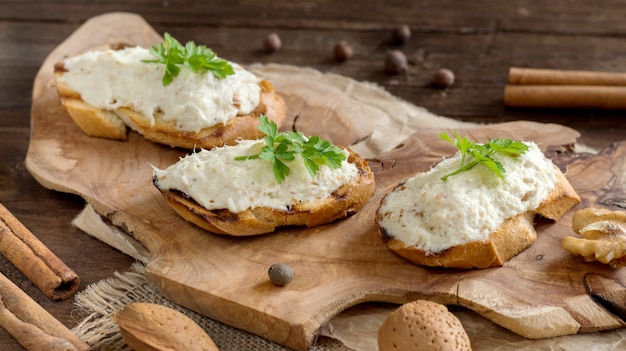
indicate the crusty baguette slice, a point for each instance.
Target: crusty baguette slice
{"x":513,"y":236}
{"x":110,"y":124}
{"x":346,"y":200}
{"x":92,"y":121}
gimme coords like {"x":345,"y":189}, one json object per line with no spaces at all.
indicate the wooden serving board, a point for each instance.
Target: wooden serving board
{"x":543,"y":292}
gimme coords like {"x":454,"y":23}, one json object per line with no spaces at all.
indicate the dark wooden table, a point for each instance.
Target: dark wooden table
{"x":478,"y":40}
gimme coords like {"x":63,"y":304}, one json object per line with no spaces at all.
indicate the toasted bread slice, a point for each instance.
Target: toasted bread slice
{"x":114,"y":124}
{"x":513,"y":236}
{"x":346,"y":200}
{"x":92,"y":121}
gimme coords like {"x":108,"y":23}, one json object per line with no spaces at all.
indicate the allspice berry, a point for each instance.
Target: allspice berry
{"x":443,"y":78}
{"x":400,"y":34}
{"x":272,"y":43}
{"x":343,"y":51}
{"x":280,"y":274}
{"x":395,"y":62}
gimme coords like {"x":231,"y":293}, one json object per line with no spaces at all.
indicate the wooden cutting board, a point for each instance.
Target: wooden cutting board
{"x":543,"y":292}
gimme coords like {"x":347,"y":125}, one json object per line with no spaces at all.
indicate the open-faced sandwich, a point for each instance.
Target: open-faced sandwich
{"x":475,"y":209}
{"x":284,"y":179}
{"x":182,"y":96}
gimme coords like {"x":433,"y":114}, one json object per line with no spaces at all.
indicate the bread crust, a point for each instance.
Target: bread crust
{"x":109,"y":124}
{"x":346,"y":200}
{"x":512,"y":237}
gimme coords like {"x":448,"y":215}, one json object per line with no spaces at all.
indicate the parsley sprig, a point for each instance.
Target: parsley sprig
{"x":473,"y":154}
{"x":283,"y":147}
{"x":197,"y":58}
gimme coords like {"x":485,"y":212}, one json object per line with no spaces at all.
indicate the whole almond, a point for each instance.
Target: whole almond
{"x":152,"y":327}
{"x":423,"y":325}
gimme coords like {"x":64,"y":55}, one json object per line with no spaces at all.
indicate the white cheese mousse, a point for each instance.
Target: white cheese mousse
{"x":113,"y":79}
{"x":215,"y":180}
{"x":434,"y":215}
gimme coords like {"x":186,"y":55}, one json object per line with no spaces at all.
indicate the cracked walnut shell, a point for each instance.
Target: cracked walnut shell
{"x":603,"y":235}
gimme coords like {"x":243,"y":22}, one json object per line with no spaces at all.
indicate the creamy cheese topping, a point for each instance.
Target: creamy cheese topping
{"x":117,"y":78}
{"x":215,"y":180}
{"x":434,"y":215}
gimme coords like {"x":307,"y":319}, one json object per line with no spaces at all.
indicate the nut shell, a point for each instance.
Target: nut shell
{"x":422,"y":325}
{"x":149,"y":327}
{"x":603,"y":236}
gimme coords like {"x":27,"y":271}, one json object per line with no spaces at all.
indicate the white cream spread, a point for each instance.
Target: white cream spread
{"x":118,"y":78}
{"x":215,"y":180}
{"x":434,"y":215}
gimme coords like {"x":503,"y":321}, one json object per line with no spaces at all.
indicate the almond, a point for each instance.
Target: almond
{"x":423,"y":325}
{"x":152,"y":327}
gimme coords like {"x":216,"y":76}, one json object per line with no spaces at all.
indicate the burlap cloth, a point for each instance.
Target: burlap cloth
{"x":355,"y":328}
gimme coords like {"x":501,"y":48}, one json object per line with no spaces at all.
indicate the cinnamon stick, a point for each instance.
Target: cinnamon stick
{"x":34,"y":259}
{"x":29,"y":336}
{"x":547,"y":88}
{"x":30,"y":324}
{"x":566,"y":96}
{"x":541,"y":76}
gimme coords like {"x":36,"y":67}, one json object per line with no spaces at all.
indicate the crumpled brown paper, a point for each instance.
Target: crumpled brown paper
{"x":357,"y":328}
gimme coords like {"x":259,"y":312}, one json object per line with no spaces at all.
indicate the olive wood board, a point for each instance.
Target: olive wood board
{"x":543,"y":292}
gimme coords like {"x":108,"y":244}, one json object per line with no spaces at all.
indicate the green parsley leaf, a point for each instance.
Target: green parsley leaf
{"x":281,"y":148}
{"x":198,"y":58}
{"x":473,"y":154}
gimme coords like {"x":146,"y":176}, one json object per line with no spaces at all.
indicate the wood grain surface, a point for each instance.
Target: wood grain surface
{"x":540,"y":293}
{"x":479,"y":41}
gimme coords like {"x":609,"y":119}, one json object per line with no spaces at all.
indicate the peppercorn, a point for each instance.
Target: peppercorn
{"x":395,"y":62}
{"x":443,"y":78}
{"x":400,"y":34}
{"x":343,"y":51}
{"x":272,"y":43}
{"x":280,"y":274}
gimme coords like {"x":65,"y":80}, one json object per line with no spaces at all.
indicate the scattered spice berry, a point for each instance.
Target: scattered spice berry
{"x":443,"y":78}
{"x":400,"y":34}
{"x":272,"y":43}
{"x":343,"y":51}
{"x":280,"y":274}
{"x":395,"y":62}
